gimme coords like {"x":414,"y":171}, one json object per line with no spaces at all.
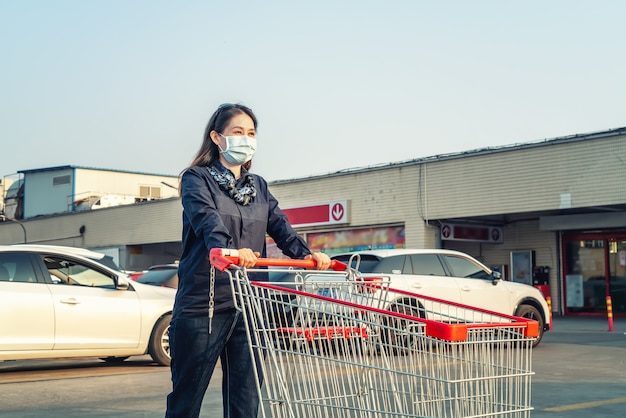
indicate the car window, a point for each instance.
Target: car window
{"x":157,"y":276}
{"x":465,"y":268}
{"x":399,"y":264}
{"x":70,"y":272}
{"x":367,"y":264}
{"x":16,"y":267}
{"x":427,"y":264}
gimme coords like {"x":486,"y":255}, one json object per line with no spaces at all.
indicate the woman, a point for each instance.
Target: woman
{"x":224,"y":206}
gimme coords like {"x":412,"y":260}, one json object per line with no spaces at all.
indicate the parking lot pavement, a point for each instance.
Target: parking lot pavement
{"x":580,"y":369}
{"x":587,"y":324}
{"x":580,"y":372}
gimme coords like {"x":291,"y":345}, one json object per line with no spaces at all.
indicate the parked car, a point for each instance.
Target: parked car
{"x":134,"y":275}
{"x":453,"y":276}
{"x":164,"y":275}
{"x":60,"y":302}
{"x":101,"y":258}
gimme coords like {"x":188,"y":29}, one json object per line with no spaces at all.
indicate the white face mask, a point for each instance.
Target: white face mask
{"x":239,"y":149}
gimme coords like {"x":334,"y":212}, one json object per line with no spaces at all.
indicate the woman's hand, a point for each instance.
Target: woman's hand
{"x":322,"y":260}
{"x":247,"y":257}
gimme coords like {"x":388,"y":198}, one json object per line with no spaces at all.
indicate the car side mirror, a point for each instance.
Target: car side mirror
{"x":121,"y":284}
{"x":496,"y":276}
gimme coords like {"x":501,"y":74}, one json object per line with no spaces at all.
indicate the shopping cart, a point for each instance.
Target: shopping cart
{"x":368,"y":357}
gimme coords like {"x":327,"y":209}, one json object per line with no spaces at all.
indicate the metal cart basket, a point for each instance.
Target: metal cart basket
{"x":341,"y":345}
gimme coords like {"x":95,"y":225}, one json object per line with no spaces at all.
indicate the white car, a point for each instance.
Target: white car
{"x":452,"y":276}
{"x":60,"y":302}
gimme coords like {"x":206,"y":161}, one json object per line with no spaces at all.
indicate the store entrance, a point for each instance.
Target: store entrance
{"x":594,"y":268}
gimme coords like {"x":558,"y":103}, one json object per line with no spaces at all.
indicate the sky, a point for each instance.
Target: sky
{"x":130,"y":84}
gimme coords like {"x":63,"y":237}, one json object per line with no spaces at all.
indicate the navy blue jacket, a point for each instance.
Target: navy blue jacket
{"x":212,"y":219}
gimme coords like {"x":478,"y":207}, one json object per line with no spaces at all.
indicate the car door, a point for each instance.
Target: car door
{"x":91,"y":313}
{"x":477,"y":287}
{"x":26,"y":307}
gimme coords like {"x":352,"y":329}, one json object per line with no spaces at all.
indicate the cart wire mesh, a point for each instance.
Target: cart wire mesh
{"x":343,"y":345}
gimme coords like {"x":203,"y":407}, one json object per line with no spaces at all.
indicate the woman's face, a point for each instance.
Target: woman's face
{"x":240,"y":124}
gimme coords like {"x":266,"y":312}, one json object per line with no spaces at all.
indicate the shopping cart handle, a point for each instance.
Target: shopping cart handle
{"x":223,"y":258}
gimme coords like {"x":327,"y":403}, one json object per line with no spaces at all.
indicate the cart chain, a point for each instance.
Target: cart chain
{"x":211,"y":298}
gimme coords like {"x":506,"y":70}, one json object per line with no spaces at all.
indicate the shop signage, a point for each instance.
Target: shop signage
{"x":457,"y":232}
{"x":330,"y":213}
{"x":347,"y":240}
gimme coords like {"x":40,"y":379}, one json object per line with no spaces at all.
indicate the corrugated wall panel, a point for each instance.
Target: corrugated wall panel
{"x":376,"y":197}
{"x":142,"y":223}
{"x":592,"y":172}
{"x":158,"y":221}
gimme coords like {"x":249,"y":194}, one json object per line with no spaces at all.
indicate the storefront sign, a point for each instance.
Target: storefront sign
{"x":457,"y":232}
{"x":357,"y":239}
{"x":336,"y":212}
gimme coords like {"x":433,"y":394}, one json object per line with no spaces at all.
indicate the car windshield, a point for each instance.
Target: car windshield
{"x":368,"y":263}
{"x":156,"y":276}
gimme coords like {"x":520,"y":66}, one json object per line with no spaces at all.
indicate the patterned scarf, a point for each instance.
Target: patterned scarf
{"x":226,"y":181}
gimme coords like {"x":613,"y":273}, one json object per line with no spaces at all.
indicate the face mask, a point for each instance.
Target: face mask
{"x":239,"y":149}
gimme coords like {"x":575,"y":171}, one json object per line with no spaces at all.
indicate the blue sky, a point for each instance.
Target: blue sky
{"x":130,"y":85}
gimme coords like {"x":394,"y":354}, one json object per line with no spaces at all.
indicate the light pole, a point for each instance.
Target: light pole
{"x":169,"y":185}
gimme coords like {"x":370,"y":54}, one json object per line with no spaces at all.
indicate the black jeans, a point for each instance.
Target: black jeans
{"x":194,"y":355}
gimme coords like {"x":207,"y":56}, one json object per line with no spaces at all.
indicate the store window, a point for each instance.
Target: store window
{"x":594,"y":268}
{"x":617,"y":275}
{"x":335,"y":242}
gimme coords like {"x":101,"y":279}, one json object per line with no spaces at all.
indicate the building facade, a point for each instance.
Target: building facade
{"x":550,"y":214}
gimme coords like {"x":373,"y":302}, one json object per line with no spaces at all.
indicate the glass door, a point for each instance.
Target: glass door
{"x":594,"y":267}
{"x":585,"y":284}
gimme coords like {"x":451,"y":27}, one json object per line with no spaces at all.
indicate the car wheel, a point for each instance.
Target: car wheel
{"x":530,"y":312}
{"x":398,"y":337}
{"x":159,"y":347}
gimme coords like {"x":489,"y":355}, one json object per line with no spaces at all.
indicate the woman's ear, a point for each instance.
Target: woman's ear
{"x":215,"y":137}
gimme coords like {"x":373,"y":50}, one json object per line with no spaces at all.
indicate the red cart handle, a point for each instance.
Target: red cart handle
{"x":222,"y":258}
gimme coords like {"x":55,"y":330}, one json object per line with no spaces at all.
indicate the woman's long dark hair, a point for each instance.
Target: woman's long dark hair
{"x":209,"y":151}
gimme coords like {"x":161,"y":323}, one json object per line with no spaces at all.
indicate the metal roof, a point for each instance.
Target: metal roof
{"x":73,"y":167}
{"x":479,"y":151}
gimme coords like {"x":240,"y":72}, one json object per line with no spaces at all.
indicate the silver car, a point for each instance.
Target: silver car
{"x":60,"y":302}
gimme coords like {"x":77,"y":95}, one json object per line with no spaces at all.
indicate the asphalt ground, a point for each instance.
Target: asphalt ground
{"x":580,"y":369}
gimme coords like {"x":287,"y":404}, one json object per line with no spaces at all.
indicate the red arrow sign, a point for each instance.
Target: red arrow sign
{"x":325,"y":213}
